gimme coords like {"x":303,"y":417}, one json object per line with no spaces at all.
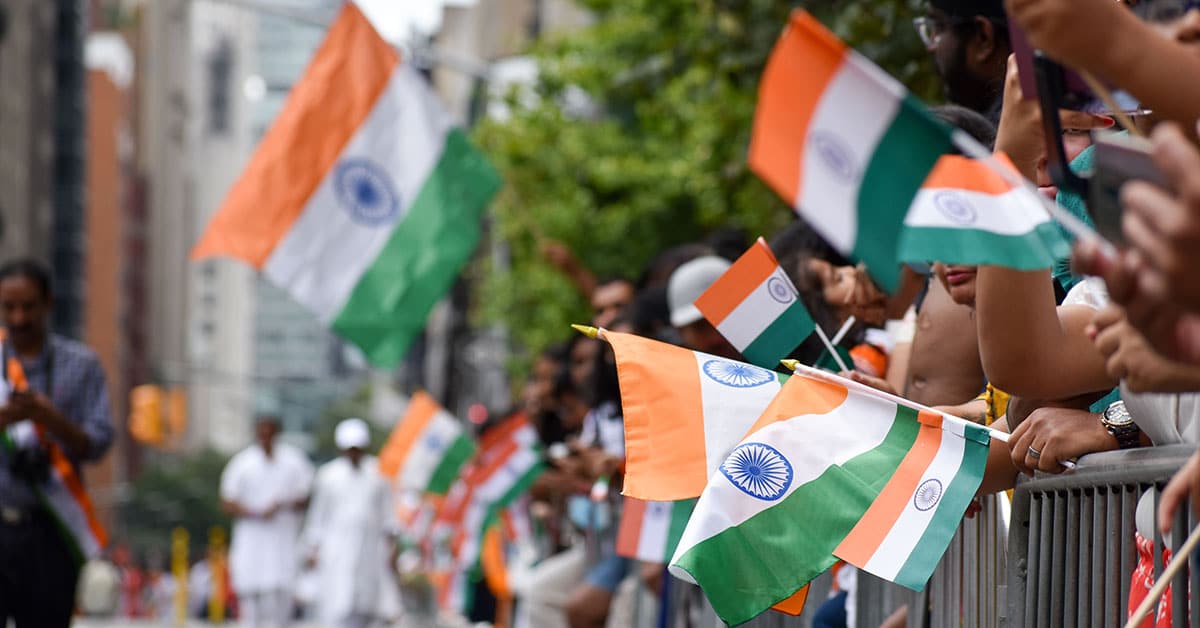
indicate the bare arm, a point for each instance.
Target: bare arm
{"x":1028,"y":346}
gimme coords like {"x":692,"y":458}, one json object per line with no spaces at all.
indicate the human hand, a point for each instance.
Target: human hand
{"x":1057,"y":435}
{"x":1130,"y":358}
{"x":652,"y":576}
{"x":1020,"y":135}
{"x":1164,"y":226}
{"x":1185,"y":484}
{"x":877,"y":383}
{"x":1066,"y":32}
{"x":558,"y":254}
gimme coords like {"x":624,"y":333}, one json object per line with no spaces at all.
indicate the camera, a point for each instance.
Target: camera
{"x":31,"y":464}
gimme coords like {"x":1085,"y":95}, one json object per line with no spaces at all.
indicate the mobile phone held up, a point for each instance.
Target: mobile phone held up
{"x":1119,"y":159}
{"x":1075,"y":94}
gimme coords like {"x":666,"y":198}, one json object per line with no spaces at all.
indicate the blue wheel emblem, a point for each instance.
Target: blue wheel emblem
{"x":758,"y":470}
{"x":736,"y":374}
{"x":779,"y":290}
{"x":955,"y":207}
{"x":366,"y":192}
{"x":433,"y":441}
{"x":836,"y":155}
{"x":929,"y":493}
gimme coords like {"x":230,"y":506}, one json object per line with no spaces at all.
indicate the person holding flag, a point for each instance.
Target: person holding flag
{"x":54,"y":415}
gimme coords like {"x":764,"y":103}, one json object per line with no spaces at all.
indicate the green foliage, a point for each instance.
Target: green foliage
{"x":355,"y":405}
{"x":175,"y":491}
{"x":659,"y":157}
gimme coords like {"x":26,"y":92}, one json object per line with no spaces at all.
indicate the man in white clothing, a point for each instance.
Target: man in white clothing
{"x":350,"y":532}
{"x":265,"y":487}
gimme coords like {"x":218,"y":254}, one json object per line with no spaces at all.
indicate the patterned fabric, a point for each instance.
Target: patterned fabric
{"x":79,"y":392}
{"x":1143,"y":580}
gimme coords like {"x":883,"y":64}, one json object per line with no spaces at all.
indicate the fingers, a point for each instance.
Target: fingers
{"x":1177,"y":159}
{"x":1082,"y":121}
{"x":1185,"y":483}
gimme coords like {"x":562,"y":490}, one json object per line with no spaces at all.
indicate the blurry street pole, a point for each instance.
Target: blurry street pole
{"x":216,"y":566}
{"x":179,"y":569}
{"x":67,"y":242}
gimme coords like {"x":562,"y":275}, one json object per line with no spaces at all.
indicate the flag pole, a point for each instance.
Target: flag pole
{"x":1076,"y":227}
{"x":830,"y":348}
{"x":797,"y":367}
{"x":1177,"y":562}
{"x":844,"y":329}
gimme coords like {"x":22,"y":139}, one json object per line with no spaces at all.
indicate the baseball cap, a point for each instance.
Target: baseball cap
{"x":688,"y":282}
{"x":352,"y":434}
{"x":970,"y":8}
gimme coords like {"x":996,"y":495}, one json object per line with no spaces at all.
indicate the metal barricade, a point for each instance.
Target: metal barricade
{"x":1072,"y":540}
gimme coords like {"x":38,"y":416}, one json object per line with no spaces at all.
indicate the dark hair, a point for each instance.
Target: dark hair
{"x":728,"y":242}
{"x":32,"y":270}
{"x":972,"y":122}
{"x":658,"y":271}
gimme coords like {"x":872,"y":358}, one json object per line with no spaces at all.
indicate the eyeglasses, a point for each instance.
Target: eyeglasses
{"x":930,"y":28}
{"x":1160,"y":11}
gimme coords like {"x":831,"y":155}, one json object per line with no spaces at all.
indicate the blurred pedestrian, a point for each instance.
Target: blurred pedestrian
{"x":350,"y":532}
{"x":265,"y":487}
{"x":66,"y":400}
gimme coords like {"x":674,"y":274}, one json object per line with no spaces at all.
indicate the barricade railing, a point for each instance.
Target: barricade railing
{"x":1072,"y":540}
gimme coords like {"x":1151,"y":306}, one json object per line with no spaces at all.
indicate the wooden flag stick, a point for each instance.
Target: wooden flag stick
{"x":1177,"y":562}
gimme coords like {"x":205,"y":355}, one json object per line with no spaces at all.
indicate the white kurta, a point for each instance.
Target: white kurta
{"x":265,"y":553}
{"x":348,"y":529}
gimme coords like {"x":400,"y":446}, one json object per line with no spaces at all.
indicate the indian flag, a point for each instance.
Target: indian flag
{"x":62,"y":493}
{"x":757,"y":308}
{"x":363,"y":201}
{"x":427,"y":448}
{"x":966,"y":213}
{"x":650,"y":531}
{"x":843,"y":142}
{"x":806,"y":481}
{"x":684,"y":411}
{"x":507,"y":463}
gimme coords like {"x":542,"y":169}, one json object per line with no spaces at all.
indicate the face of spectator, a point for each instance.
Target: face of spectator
{"x":964,"y":53}
{"x":538,"y":394}
{"x":265,"y":432}
{"x":1074,"y":142}
{"x":25,"y":309}
{"x":609,"y":300}
{"x":850,"y":292}
{"x":959,"y":281}
{"x":702,"y":336}
{"x":583,"y":362}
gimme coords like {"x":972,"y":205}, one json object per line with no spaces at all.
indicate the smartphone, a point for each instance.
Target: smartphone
{"x":1119,"y":158}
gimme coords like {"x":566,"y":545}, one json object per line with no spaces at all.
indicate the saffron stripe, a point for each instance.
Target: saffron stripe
{"x":738,"y":283}
{"x":873,"y":528}
{"x":322,"y":112}
{"x":421,"y":410}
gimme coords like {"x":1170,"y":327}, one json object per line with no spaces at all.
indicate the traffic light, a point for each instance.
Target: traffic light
{"x":146,"y":415}
{"x":177,"y":415}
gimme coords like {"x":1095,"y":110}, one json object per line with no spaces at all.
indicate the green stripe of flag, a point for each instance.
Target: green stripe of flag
{"x":929,"y":550}
{"x":1035,"y":250}
{"x":767,"y":558}
{"x":388,"y":307}
{"x":781,"y":336}
{"x":448,"y":468}
{"x":900,"y":164}
{"x":681,"y":511}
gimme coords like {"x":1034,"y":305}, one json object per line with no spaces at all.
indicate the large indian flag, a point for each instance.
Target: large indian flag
{"x":363,"y":201}
{"x":684,"y":411}
{"x":843,"y":142}
{"x":829,"y":471}
{"x":966,"y":213}
{"x":757,"y":308}
{"x":427,"y":448}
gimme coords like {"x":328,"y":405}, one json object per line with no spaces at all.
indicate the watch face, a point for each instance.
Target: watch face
{"x":1117,"y":415}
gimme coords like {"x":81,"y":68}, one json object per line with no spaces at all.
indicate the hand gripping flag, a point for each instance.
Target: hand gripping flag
{"x":62,"y":492}
{"x":757,"y":308}
{"x":829,"y":472}
{"x":363,"y":201}
{"x":843,"y":142}
{"x":966,"y":213}
{"x":427,"y":448}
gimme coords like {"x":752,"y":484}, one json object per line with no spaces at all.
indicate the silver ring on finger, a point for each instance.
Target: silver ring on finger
{"x":1033,"y":453}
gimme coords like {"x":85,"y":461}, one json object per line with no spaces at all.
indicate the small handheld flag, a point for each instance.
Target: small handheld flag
{"x":757,"y":308}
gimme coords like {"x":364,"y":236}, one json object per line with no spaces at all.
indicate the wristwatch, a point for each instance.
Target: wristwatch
{"x":1119,"y":423}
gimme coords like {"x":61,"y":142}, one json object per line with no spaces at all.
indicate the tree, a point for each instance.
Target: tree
{"x":658,"y":157}
{"x":176,"y":491}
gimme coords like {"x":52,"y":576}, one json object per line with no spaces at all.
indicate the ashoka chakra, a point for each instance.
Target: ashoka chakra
{"x":758,"y":470}
{"x":737,"y":374}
